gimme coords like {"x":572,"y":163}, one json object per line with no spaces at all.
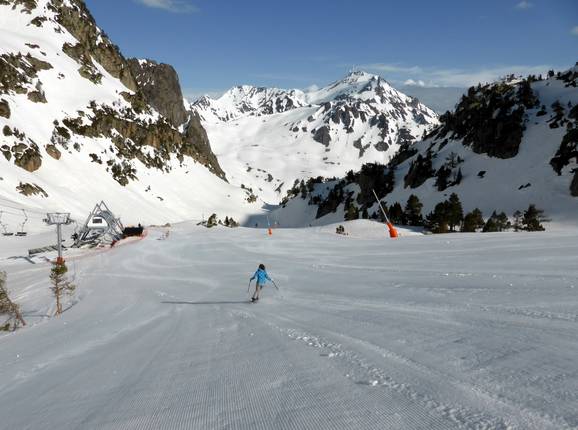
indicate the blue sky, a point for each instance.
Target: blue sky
{"x":216,"y":44}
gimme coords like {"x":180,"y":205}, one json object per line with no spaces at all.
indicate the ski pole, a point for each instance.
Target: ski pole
{"x":249,"y":287}
{"x":275,"y":285}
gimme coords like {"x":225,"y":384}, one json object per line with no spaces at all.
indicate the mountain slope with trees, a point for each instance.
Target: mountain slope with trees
{"x":508,"y":145}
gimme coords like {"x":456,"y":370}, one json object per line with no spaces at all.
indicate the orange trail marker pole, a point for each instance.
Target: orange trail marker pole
{"x":392,"y":231}
{"x":269,"y":231}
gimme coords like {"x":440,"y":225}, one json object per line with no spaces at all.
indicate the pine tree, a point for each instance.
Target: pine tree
{"x":9,"y":308}
{"x":61,"y":286}
{"x":303,"y":189}
{"x":364,"y":213}
{"x":473,"y":221}
{"x":491,"y":226}
{"x":453,"y":160}
{"x":437,"y":220}
{"x":502,"y":222}
{"x":395,"y":214}
{"x":442,"y":177}
{"x":517,"y":221}
{"x":458,"y":178}
{"x":533,"y":218}
{"x":455,"y":212}
{"x":412,"y":211}
{"x":352,"y":212}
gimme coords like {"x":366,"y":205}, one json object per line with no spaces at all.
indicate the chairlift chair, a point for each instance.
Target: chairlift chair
{"x":5,"y":232}
{"x":22,"y":232}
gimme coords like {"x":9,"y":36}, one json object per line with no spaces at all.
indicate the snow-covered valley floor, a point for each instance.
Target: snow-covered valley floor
{"x":456,"y":331}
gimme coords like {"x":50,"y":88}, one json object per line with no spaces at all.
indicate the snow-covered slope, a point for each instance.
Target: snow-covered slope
{"x":468,"y":332}
{"x":507,"y":145}
{"x":78,"y":124}
{"x":267,"y":138}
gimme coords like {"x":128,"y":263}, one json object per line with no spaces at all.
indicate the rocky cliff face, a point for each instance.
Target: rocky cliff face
{"x":160,"y":85}
{"x":137,"y":106}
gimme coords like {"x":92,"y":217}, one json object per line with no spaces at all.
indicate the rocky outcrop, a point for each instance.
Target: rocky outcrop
{"x":16,"y":74}
{"x":4,"y":109}
{"x":27,"y":5}
{"x":131,"y":136}
{"x":92,"y":42}
{"x":37,"y":97}
{"x":160,"y":86}
{"x":53,"y":152}
{"x":322,"y":135}
{"x":27,"y":156}
{"x":23,"y":149}
{"x":31,"y":190}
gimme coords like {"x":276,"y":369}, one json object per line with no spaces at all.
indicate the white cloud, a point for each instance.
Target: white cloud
{"x":523,"y":5}
{"x":177,"y":6}
{"x":411,"y":82}
{"x":574,"y":31}
{"x":432,"y":77}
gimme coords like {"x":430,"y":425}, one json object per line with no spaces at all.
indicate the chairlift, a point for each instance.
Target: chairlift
{"x":5,"y":232}
{"x":22,"y":232}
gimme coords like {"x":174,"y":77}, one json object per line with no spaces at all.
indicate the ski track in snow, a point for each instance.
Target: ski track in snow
{"x":420,"y":333}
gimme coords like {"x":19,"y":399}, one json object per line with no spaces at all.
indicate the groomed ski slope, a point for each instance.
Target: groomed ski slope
{"x":425,"y":332}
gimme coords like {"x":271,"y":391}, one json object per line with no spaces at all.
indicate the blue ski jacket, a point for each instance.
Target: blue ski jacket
{"x":261,"y":276}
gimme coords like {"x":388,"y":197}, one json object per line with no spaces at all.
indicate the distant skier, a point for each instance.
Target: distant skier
{"x":262,"y":277}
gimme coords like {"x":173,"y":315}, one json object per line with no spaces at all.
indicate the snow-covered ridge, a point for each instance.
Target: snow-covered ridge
{"x":266,"y":138}
{"x":248,"y":100}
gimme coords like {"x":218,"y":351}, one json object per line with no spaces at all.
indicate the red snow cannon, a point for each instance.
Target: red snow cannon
{"x":392,"y":230}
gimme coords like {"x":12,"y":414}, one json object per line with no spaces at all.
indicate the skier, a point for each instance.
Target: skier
{"x":262,"y":278}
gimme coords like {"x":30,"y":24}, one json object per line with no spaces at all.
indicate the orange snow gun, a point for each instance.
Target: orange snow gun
{"x":269,"y":231}
{"x":392,"y":230}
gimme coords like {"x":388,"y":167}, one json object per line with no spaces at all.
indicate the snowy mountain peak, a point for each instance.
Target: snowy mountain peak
{"x":359,"y":77}
{"x":320,"y":132}
{"x":245,"y":100}
{"x":355,"y":85}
